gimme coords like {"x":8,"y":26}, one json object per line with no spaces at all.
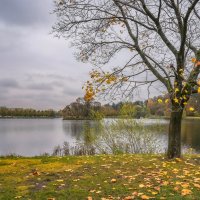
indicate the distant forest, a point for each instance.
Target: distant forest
{"x":80,"y":109}
{"x":27,"y":112}
{"x":154,"y":107}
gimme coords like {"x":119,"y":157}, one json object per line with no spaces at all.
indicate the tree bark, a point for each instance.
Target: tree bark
{"x":174,"y":141}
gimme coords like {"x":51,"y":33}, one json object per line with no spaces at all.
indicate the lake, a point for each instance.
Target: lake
{"x":29,"y":137}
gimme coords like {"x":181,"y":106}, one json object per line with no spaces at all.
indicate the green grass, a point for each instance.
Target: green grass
{"x":100,"y":177}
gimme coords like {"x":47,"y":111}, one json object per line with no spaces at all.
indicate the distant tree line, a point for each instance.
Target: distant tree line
{"x":81,"y":109}
{"x":27,"y":112}
{"x":135,"y":109}
{"x":158,"y":106}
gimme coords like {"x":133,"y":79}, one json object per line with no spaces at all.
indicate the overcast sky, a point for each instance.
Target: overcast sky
{"x":36,"y":69}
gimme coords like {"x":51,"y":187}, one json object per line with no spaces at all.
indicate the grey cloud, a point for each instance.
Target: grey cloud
{"x":42,"y":100}
{"x":72,"y":92}
{"x":9,"y":83}
{"x":24,"y":12}
{"x":56,"y":77}
{"x":36,"y":69}
{"x":40,"y":86}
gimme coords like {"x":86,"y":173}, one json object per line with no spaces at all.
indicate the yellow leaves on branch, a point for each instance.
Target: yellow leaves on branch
{"x":107,"y":78}
{"x":89,"y":92}
{"x":196,"y":62}
{"x":166,"y":101}
{"x":193,"y":60}
{"x":111,"y":79}
{"x":98,"y":82}
{"x":191,"y":109}
{"x":176,"y":100}
{"x":177,"y":90}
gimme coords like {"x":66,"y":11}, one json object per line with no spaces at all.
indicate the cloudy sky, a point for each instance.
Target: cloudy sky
{"x":36,"y":69}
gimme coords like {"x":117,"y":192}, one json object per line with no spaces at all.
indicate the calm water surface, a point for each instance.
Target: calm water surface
{"x":29,"y":137}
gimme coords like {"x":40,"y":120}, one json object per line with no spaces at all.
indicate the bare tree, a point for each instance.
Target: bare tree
{"x":160,"y":38}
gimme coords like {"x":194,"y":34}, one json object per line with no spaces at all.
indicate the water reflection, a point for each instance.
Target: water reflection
{"x":30,"y":137}
{"x":73,"y":127}
{"x":191,"y":133}
{"x":76,"y":128}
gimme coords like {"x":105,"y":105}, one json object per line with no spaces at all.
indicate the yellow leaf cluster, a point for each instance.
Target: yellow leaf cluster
{"x":89,"y":92}
{"x":176,"y":100}
{"x":197,"y":64}
{"x":94,"y":74}
{"x":191,"y":109}
{"x":193,"y":60}
{"x":176,"y":90}
{"x":97,"y":83}
{"x":167,"y":101}
{"x":110,"y":79}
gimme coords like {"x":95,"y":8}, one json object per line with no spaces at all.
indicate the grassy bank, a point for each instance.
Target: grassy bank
{"x":100,"y":177}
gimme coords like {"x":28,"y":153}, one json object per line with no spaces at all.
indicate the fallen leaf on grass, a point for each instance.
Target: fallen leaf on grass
{"x":196,"y":180}
{"x":165,"y":183}
{"x":178,"y":159}
{"x":154,"y":193}
{"x":185,"y":192}
{"x":59,"y":180}
{"x":135,"y":193}
{"x":141,"y":185}
{"x":113,"y":180}
{"x":68,"y":170}
{"x":129,"y":198}
{"x":196,"y":185}
{"x":176,"y":188}
{"x":36,"y":173}
{"x":185,"y":185}
{"x":18,"y":197}
{"x":145,"y":197}
{"x":157,"y":188}
{"x":89,"y":198}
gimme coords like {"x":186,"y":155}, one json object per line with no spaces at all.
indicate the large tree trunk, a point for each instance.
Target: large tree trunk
{"x":174,"y":142}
